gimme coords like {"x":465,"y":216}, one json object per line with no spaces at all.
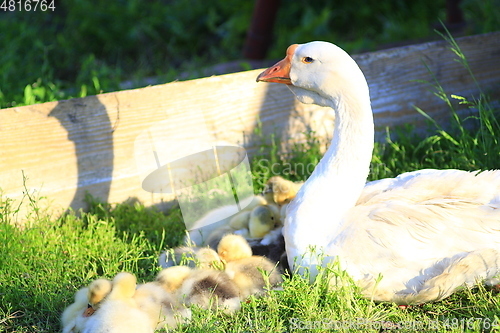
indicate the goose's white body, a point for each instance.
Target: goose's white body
{"x":426,"y":233}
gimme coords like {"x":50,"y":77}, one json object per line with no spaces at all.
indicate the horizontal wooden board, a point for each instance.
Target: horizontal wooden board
{"x":61,"y":150}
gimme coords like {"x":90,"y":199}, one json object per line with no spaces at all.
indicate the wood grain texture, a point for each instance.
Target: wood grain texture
{"x":94,"y":144}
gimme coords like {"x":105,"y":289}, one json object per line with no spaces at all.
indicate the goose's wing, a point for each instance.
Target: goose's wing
{"x":407,"y":224}
{"x":424,"y":184}
{"x":430,"y":181}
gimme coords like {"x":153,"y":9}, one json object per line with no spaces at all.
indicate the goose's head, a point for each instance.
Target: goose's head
{"x":318,"y":73}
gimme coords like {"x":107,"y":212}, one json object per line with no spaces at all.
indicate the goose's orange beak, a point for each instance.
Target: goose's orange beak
{"x":280,"y":72}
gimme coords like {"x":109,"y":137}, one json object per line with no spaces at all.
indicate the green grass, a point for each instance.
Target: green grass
{"x":85,"y":47}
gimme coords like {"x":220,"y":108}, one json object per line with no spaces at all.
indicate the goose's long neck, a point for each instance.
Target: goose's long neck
{"x":316,"y":216}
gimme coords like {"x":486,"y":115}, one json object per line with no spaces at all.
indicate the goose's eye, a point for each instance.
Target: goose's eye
{"x":307,"y":60}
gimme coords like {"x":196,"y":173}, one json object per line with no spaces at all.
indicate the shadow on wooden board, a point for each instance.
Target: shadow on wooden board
{"x":90,"y":129}
{"x":90,"y":144}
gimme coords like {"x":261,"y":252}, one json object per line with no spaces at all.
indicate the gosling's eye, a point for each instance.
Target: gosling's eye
{"x":307,"y":60}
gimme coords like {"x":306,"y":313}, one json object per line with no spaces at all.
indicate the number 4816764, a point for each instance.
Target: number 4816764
{"x":27,"y":5}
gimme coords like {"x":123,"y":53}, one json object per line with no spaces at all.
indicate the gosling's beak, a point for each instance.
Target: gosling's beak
{"x":280,"y":72}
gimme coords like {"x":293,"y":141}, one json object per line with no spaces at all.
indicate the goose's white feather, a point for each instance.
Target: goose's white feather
{"x":426,"y":233}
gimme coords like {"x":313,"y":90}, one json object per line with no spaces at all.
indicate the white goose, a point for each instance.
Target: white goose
{"x":411,"y":239}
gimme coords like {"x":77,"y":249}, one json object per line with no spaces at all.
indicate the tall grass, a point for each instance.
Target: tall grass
{"x":87,"y":47}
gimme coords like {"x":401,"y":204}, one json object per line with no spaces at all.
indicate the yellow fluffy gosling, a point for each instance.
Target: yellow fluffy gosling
{"x":262,"y":220}
{"x":87,"y":301}
{"x":72,"y":314}
{"x":233,"y":247}
{"x":281,"y":191}
{"x":119,"y":312}
{"x":207,"y":288}
{"x":161,"y":306}
{"x":252,"y":274}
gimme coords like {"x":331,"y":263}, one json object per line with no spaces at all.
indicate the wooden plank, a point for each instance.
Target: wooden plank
{"x":91,"y":144}
{"x":395,"y":77}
